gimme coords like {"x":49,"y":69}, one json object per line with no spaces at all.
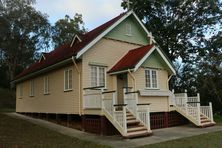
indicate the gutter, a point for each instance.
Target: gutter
{"x":42,"y":70}
{"x":79,"y":77}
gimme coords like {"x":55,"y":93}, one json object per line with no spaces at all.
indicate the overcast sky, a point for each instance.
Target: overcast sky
{"x":95,"y":12}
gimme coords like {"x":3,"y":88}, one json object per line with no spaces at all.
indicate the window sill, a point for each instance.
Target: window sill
{"x":147,"y":88}
{"x":46,"y":93}
{"x":68,"y":90}
{"x":31,"y":96}
{"x":20,"y":98}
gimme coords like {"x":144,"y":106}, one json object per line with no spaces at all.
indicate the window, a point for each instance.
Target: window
{"x":98,"y":76}
{"x":20,"y":91}
{"x":151,"y":78}
{"x":68,"y":79}
{"x":31,"y":89}
{"x":46,"y":85}
{"x":128,"y":29}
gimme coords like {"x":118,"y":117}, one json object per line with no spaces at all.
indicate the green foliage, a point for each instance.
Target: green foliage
{"x":7,"y":100}
{"x":65,"y":29}
{"x":191,"y":31}
{"x":23,"y":31}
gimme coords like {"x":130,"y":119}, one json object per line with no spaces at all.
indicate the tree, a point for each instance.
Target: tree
{"x":23,"y":31}
{"x":65,"y":29}
{"x":190,"y":31}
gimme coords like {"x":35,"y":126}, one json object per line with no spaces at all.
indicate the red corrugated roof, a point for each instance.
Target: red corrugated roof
{"x":65,"y":51}
{"x":130,"y":60}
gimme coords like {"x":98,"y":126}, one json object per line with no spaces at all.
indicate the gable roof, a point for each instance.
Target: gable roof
{"x":66,"y":51}
{"x":135,"y":58}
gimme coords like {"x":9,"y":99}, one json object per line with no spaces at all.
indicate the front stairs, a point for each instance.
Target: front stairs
{"x":134,"y":127}
{"x":190,"y":108}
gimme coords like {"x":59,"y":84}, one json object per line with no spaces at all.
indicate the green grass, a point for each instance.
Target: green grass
{"x":20,"y":133}
{"x":210,"y":140}
{"x":218,"y":119}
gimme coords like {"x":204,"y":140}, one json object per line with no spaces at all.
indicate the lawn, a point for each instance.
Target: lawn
{"x":19,"y":133}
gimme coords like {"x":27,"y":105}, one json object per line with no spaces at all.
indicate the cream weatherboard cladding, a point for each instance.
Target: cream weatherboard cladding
{"x":57,"y":101}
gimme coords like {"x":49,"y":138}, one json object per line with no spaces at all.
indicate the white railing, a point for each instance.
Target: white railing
{"x":119,"y":115}
{"x":144,"y":115}
{"x":92,"y":98}
{"x":191,"y":107}
{"x":207,"y":111}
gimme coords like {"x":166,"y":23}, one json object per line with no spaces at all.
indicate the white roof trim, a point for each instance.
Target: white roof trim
{"x":122,"y":71}
{"x":81,"y":52}
{"x":75,"y":37}
{"x":149,"y":53}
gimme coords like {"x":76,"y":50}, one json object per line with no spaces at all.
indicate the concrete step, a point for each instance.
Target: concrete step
{"x":136,"y":134}
{"x":208,"y":124}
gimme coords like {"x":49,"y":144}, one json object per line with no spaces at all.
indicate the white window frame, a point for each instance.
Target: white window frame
{"x":98,"y":75}
{"x":128,"y":29}
{"x":46,"y":85}
{"x":20,"y":91}
{"x":151,"y":79}
{"x":31,"y":88}
{"x":68,"y":80}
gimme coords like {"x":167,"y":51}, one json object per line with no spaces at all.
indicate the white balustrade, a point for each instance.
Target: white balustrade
{"x":144,"y":115}
{"x":92,"y":99}
{"x":131,"y":99}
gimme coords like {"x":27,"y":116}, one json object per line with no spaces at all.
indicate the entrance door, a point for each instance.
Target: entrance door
{"x":121,"y":83}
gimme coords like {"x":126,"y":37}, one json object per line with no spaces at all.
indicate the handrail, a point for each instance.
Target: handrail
{"x":119,"y":105}
{"x":95,"y":87}
{"x":193,"y":102}
{"x":131,"y":92}
{"x":140,"y":104}
{"x":106,"y":92}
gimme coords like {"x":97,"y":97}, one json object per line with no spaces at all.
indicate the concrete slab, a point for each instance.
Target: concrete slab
{"x":159,"y":135}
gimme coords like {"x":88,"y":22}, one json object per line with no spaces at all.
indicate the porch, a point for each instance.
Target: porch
{"x":133,"y":119}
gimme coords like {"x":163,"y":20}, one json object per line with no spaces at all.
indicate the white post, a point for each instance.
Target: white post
{"x":102,"y":98}
{"x":137,"y":114}
{"x":211,"y":112}
{"x":83,"y":100}
{"x":198,"y":113}
{"x":124,"y":120}
{"x":148,"y":118}
{"x":124,"y":96}
{"x":186,"y":100}
{"x":198,"y":97}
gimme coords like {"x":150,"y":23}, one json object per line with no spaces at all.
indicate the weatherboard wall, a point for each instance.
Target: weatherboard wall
{"x":57,"y":101}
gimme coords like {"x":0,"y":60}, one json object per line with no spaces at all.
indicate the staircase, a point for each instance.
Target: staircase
{"x":189,"y":107}
{"x":131,"y":119}
{"x":134,"y":127}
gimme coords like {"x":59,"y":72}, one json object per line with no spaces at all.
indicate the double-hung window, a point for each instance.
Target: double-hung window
{"x":98,"y":76}
{"x":46,"y":85}
{"x":31,"y":88}
{"x":68,"y":79}
{"x":128,"y":29}
{"x":151,"y":78}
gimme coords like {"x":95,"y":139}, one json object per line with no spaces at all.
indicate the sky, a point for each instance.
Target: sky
{"x":95,"y":12}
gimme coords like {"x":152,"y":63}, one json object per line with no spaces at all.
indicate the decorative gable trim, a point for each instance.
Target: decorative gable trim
{"x":42,"y":57}
{"x":162,"y":56}
{"x":76,"y":37}
{"x":81,"y":52}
